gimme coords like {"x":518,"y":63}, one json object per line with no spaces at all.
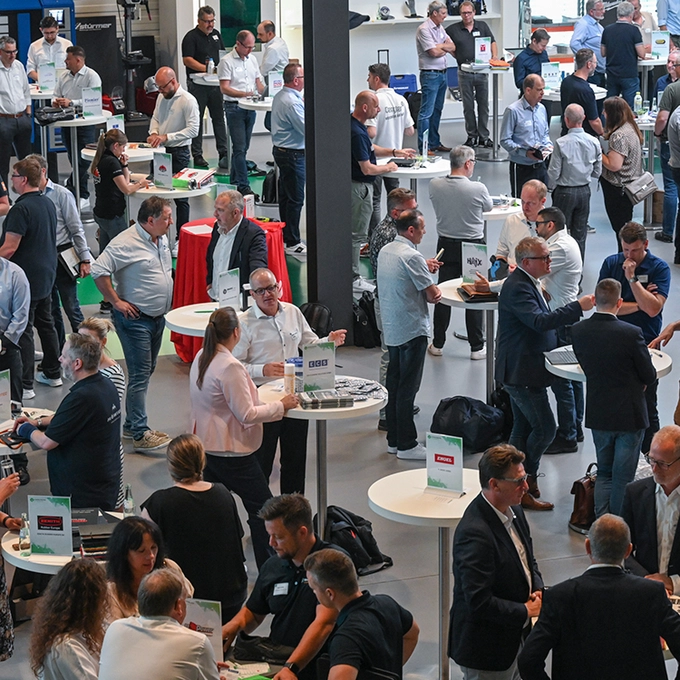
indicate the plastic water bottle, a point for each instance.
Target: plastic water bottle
{"x":289,"y":378}
{"x":24,"y":537}
{"x":129,"y":509}
{"x":637,"y":104}
{"x":210,"y":69}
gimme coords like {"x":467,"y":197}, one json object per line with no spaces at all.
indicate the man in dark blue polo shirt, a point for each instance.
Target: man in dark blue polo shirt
{"x":575,"y":89}
{"x":531,"y":59}
{"x":373,"y":632}
{"x":645,"y":282}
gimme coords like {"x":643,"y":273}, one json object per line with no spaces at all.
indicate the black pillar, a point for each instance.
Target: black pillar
{"x":328,"y":157}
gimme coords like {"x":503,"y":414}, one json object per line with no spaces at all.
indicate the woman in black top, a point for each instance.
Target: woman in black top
{"x":197,"y":519}
{"x":112,"y":184}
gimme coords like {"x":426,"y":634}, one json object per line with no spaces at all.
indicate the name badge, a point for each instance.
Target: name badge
{"x":281,"y":589}
{"x":475,"y":34}
{"x":215,"y":37}
{"x":643,"y":278}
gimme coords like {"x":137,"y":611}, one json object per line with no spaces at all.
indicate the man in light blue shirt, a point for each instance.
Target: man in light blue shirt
{"x":525,"y":135}
{"x":288,"y":138}
{"x":668,"y":14}
{"x":588,"y":34}
{"x":406,"y":288}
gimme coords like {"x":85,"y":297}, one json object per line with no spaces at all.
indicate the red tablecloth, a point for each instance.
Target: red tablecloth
{"x":190,"y":274}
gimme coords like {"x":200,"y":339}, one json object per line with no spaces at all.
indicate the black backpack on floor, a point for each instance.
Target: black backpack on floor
{"x":318,"y":317}
{"x":366,"y":333}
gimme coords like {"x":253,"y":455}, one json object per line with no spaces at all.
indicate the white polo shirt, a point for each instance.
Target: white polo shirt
{"x":243,"y":74}
{"x":393,"y":119}
{"x":41,"y":52}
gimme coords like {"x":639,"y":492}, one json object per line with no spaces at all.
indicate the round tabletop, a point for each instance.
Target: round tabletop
{"x":134,"y":153}
{"x":500,"y":212}
{"x":553,"y":95}
{"x":82,"y":121}
{"x":273,"y":391}
{"x":39,"y":564}
{"x":645,"y":123}
{"x":253,"y":105}
{"x":175,"y":193}
{"x":37,"y":93}
{"x":651,"y":62}
{"x":451,"y":297}
{"x":190,"y":320}
{"x":662,"y":363}
{"x":402,"y":497}
{"x":209,"y":79}
{"x":429,"y":169}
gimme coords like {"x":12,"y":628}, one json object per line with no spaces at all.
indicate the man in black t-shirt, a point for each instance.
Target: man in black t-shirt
{"x":575,"y":89}
{"x":82,"y":438}
{"x":373,"y":632}
{"x":200,"y":44}
{"x":282,"y":590}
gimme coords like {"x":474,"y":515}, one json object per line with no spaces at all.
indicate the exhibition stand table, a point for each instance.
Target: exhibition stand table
{"x":190,"y":320}
{"x":45,"y":96}
{"x":273,"y":391}
{"x":438,"y":167}
{"x":553,"y":94}
{"x":256,"y":104}
{"x":645,"y":66}
{"x":133,"y":151}
{"x":646,"y":124}
{"x":500,"y":212}
{"x":402,"y":497}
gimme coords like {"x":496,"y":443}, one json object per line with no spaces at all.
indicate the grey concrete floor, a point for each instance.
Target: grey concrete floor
{"x":357,"y":451}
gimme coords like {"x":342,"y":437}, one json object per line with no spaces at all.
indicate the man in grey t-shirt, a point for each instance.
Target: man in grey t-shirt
{"x":459,"y":206}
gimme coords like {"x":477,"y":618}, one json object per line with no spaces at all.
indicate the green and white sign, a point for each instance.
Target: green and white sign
{"x":47,"y":76}
{"x":50,"y":520}
{"x":162,"y":170}
{"x":474,"y":260}
{"x":5,"y":397}
{"x":444,"y":464}
{"x":92,"y":101}
{"x":318,"y":366}
{"x":551,"y":75}
{"x":116,"y":123}
{"x":661,"y":42}
{"x":482,"y":50}
{"x":229,"y":289}
{"x":205,"y":616}
{"x":275,"y":82}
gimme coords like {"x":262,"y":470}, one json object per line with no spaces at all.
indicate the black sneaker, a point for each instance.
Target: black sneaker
{"x":579,"y":432}
{"x":486,"y":143}
{"x":200,"y":162}
{"x":664,"y":238}
{"x":471,"y":142}
{"x":24,"y":477}
{"x":105,"y":307}
{"x":224,"y":163}
{"x":382,"y":425}
{"x":562,"y":445}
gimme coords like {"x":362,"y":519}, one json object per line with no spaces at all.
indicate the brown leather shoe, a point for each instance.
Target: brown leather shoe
{"x":532,"y":482}
{"x":531,"y":503}
{"x":442,"y":148}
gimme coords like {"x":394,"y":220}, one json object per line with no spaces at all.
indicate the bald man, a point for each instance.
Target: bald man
{"x":364,"y":171}
{"x":174,"y":124}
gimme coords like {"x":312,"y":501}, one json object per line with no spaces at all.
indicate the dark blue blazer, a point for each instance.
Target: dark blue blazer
{"x":526,"y":329}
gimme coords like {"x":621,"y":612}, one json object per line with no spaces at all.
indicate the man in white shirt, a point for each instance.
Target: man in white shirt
{"x":271,"y":332}
{"x":274,"y":56}
{"x":651,"y":508}
{"x":69,"y":92}
{"x":50,"y":49}
{"x":15,"y":107}
{"x":174,"y":124}
{"x":386,"y":129}
{"x":240,"y":77}
{"x":155,"y":645}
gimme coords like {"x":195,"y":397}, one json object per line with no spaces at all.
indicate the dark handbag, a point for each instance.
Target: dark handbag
{"x":583,"y":491}
{"x":53,"y":114}
{"x":640,"y":188}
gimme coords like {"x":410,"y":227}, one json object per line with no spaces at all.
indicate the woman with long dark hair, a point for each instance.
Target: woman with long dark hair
{"x":68,"y":625}
{"x":622,"y":163}
{"x":227,"y":416}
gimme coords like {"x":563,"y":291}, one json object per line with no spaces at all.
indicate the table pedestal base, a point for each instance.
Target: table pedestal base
{"x":444,"y":605}
{"x":321,"y":475}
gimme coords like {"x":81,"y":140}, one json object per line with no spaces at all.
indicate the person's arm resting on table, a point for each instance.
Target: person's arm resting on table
{"x":246,"y":621}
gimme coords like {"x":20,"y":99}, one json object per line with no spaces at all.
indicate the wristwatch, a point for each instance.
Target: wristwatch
{"x":633,"y":279}
{"x":293,"y":667}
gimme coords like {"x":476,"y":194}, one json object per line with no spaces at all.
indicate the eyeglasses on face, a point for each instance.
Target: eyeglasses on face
{"x":517,"y":481}
{"x":545,"y":258}
{"x":10,"y":51}
{"x":246,"y":47}
{"x":660,"y":463}
{"x":268,"y":289}
{"x":16,"y":174}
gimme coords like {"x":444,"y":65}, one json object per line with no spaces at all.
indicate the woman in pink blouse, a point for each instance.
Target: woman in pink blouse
{"x":227,"y":416}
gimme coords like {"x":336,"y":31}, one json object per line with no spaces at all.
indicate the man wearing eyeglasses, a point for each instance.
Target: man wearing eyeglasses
{"x":618,"y":368}
{"x":271,"y":332}
{"x":235,"y":242}
{"x":199,"y":45}
{"x":15,"y":107}
{"x":651,"y":508}
{"x":51,"y":48}
{"x":240,"y":77}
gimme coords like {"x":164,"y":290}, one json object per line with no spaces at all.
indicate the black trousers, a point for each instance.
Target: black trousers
{"x":209,"y":97}
{"x":574,"y":202}
{"x":10,"y":360}
{"x":40,"y":315}
{"x":653,"y":414}
{"x":618,"y":207}
{"x":521,"y":174}
{"x":180,"y":160}
{"x":292,"y":436}
{"x":452,"y":267}
{"x":15,"y":140}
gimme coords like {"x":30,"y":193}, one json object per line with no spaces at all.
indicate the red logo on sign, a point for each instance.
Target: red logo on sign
{"x":447,"y":460}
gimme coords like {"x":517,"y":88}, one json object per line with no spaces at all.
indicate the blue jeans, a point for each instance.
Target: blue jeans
{"x":404,"y":373}
{"x":65,"y":288}
{"x":109,"y":229}
{"x":141,"y":342}
{"x":86,"y":135}
{"x":617,"y":459}
{"x":433,"y":87}
{"x":291,"y":163}
{"x":670,"y":191}
{"x":181,"y":157}
{"x":533,"y":428}
{"x":626,"y":87}
{"x":240,"y":125}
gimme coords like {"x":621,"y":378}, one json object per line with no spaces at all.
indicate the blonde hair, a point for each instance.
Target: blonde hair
{"x":100,"y":327}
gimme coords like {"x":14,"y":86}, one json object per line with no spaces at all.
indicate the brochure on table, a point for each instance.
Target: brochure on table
{"x":229,"y":289}
{"x":482,"y":50}
{"x":162,"y":170}
{"x":116,"y":123}
{"x":474,"y":260}
{"x":50,"y":522}
{"x":92,"y":101}
{"x":444,"y":464}
{"x":551,"y":75}
{"x":318,"y":366}
{"x":5,"y":397}
{"x":205,"y":616}
{"x":47,"y":76}
{"x":275,"y":82}
{"x":661,"y":42}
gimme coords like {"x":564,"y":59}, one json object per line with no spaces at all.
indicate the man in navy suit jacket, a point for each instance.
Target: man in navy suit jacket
{"x":650,"y":498}
{"x":604,"y":624}
{"x":526,"y":329}
{"x":497,"y":584}
{"x":614,"y":356}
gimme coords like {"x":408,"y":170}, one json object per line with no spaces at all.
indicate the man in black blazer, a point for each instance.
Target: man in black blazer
{"x":604,"y":624}
{"x":526,"y":329}
{"x":497,"y":585}
{"x":642,"y":503}
{"x":245,"y":248}
{"x":618,"y":368}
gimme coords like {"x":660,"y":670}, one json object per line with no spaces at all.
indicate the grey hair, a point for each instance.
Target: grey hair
{"x":435,"y":6}
{"x":460,"y":155}
{"x":609,"y":539}
{"x":158,"y":592}
{"x":259,"y":272}
{"x":574,"y":113}
{"x":525,"y":248}
{"x":235,"y":198}
{"x":625,"y":9}
{"x":7,"y":40}
{"x":590,"y":5}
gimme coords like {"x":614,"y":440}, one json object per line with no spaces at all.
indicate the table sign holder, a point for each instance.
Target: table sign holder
{"x":318,"y":366}
{"x":228,"y":289}
{"x":205,"y":616}
{"x":551,"y":75}
{"x":426,"y":145}
{"x":474,"y":260}
{"x":482,"y":50}
{"x":5,"y":397}
{"x":275,"y":82}
{"x":47,"y":76}
{"x":444,"y":465}
{"x":661,"y":41}
{"x":162,"y":170}
{"x":92,"y":101}
{"x":116,"y":123}
{"x":50,"y":522}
